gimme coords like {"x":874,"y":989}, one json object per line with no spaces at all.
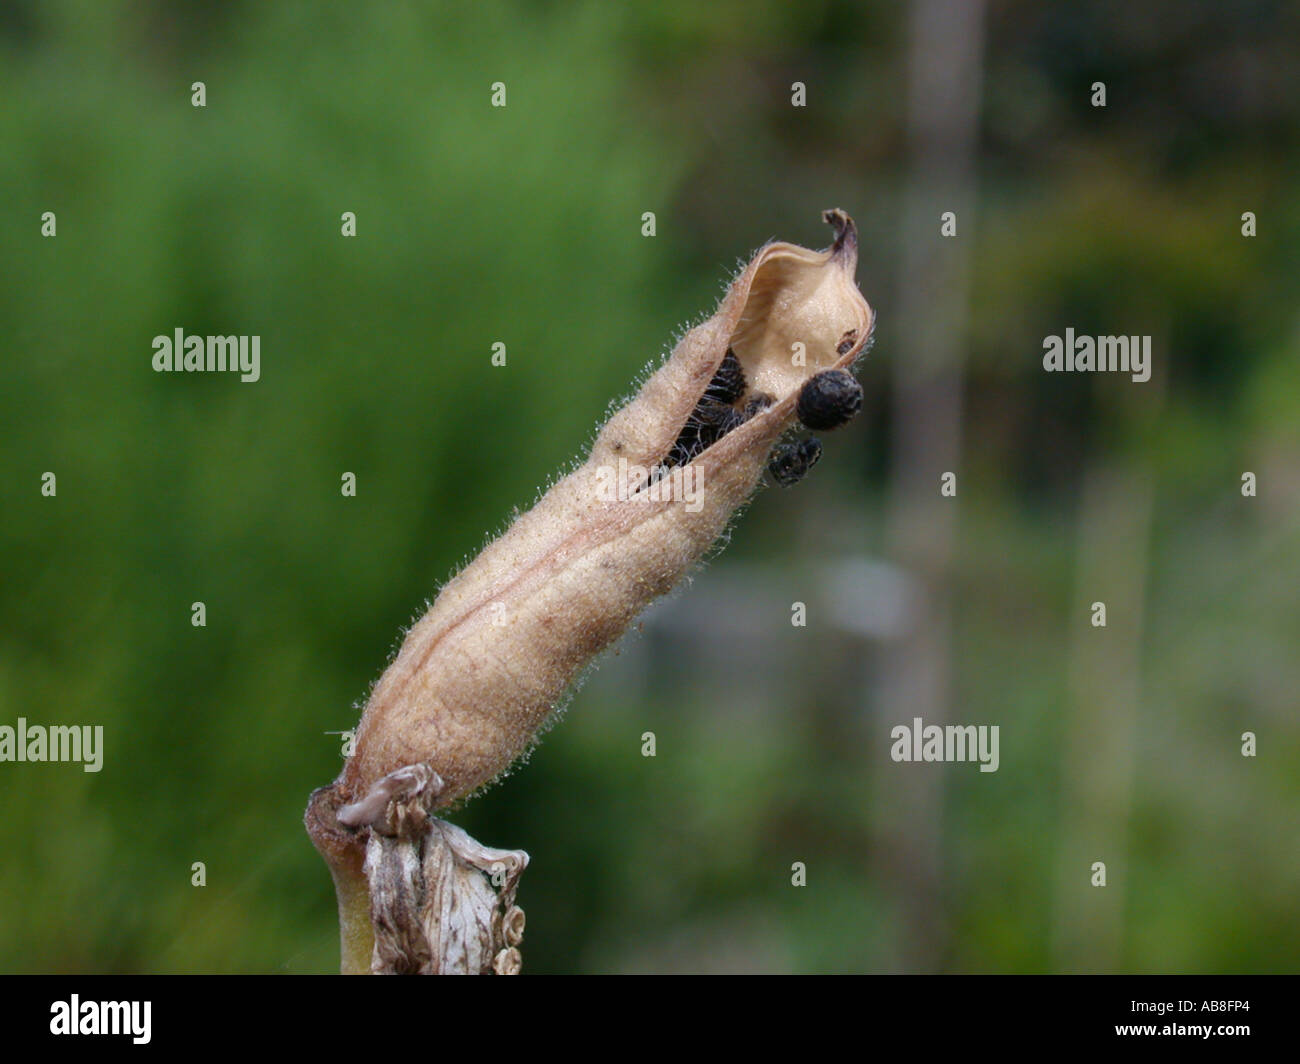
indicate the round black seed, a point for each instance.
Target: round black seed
{"x":829,"y":399}
{"x":791,"y":461}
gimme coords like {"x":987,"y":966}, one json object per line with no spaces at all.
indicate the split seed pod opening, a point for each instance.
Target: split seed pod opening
{"x":478,"y":675}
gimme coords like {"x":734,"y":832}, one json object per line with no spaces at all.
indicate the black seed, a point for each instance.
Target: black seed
{"x":715,"y":415}
{"x":687,"y":445}
{"x":708,"y":423}
{"x":714,"y":418}
{"x":728,"y":383}
{"x":791,"y":461}
{"x":829,"y":399}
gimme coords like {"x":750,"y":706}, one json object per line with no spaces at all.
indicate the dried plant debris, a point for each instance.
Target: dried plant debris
{"x":443,"y":904}
{"x":479,"y":675}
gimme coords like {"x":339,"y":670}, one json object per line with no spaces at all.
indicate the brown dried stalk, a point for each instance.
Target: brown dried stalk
{"x":479,"y":674}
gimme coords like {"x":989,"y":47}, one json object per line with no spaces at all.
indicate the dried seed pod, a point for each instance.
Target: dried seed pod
{"x":477,"y":676}
{"x":829,"y":399}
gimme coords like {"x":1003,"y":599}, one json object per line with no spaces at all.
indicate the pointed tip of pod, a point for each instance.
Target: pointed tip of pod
{"x":846,"y":233}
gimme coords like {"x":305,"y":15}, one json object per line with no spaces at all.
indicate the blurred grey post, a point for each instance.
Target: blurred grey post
{"x":945,"y":77}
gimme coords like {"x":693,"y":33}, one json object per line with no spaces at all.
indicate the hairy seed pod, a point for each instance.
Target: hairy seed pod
{"x":478,"y":675}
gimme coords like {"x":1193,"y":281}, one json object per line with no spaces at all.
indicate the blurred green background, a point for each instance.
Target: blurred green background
{"x":523,"y":225}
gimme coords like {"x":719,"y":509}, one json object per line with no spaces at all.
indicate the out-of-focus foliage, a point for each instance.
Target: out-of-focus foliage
{"x":523,"y":225}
